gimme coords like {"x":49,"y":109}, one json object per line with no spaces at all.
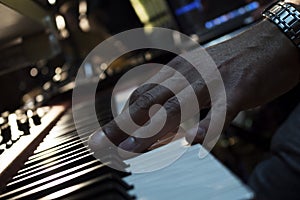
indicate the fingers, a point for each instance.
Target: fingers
{"x":138,"y":112}
{"x":171,"y":82}
{"x":144,"y":137}
{"x":162,"y":75}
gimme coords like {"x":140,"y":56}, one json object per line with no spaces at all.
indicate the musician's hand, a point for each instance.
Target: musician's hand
{"x":256,"y":67}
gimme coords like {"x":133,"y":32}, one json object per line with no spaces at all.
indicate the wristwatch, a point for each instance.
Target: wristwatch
{"x":287,"y":19}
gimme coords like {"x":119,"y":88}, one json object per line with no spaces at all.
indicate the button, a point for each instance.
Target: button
{"x":36,"y":119}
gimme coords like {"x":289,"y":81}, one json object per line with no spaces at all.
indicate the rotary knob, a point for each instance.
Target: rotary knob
{"x":36,"y":119}
{"x":23,"y":125}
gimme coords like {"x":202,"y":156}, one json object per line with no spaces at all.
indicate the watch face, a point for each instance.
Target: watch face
{"x":211,"y":18}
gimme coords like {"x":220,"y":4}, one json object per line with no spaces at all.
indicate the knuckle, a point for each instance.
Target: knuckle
{"x":198,"y":85}
{"x":136,"y":93}
{"x":139,"y":91}
{"x":145,"y":101}
{"x":172,"y":105}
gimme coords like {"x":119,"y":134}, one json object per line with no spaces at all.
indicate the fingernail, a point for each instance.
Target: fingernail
{"x":200,"y":131}
{"x":129,"y":144}
{"x":195,"y":134}
{"x":97,"y":140}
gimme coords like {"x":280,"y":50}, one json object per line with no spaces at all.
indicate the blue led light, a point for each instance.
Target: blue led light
{"x":223,"y":18}
{"x":252,"y":6}
{"x":189,"y":7}
{"x":209,"y":25}
{"x":242,"y":11}
{"x":236,"y":13}
{"x":231,"y":15}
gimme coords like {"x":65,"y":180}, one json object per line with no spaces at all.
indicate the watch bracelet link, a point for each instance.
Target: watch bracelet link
{"x":287,"y":18}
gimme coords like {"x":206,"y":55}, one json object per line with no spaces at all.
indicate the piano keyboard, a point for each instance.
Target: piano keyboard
{"x":18,"y":152}
{"x":62,"y":167}
{"x":189,"y":177}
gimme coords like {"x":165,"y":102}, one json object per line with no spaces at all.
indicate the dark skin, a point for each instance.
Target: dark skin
{"x":256,"y":66}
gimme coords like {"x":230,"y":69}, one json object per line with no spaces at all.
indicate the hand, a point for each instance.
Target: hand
{"x":256,"y":66}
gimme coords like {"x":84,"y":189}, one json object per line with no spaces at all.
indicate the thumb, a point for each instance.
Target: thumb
{"x":198,"y":133}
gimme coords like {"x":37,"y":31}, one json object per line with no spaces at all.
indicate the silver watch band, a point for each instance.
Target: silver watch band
{"x":287,"y":18}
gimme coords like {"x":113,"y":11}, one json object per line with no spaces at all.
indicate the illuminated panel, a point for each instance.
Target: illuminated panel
{"x":232,"y":15}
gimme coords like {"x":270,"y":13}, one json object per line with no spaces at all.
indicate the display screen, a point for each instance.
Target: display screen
{"x":211,"y":18}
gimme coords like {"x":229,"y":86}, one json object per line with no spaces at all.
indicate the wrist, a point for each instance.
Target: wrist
{"x":277,"y":48}
{"x":295,"y":2}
